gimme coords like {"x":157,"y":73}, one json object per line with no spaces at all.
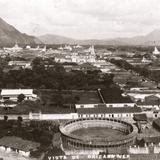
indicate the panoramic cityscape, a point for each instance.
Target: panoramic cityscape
{"x":79,"y":80}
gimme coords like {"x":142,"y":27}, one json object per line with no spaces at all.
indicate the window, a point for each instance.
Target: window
{"x":6,"y":98}
{"x":95,"y":115}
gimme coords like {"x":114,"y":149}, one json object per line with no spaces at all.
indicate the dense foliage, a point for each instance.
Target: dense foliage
{"x":52,"y":76}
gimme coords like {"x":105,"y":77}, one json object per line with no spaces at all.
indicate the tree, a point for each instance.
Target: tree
{"x":19,"y":121}
{"x":20,"y":98}
{"x":156,"y":77}
{"x":5,"y":118}
{"x":57,"y":98}
{"x":77,"y":98}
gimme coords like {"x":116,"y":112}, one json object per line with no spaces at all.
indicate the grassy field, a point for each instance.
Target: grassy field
{"x":84,"y":96}
{"x":87,"y":97}
{"x":99,"y":132}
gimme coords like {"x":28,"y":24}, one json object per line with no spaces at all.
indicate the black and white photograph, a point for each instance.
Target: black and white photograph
{"x":79,"y":80}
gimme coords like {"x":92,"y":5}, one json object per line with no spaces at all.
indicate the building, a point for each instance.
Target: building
{"x":142,"y":94}
{"x":146,"y":61}
{"x":83,"y":56}
{"x":117,"y":105}
{"x":105,"y":67}
{"x":97,"y":142}
{"x":15,"y":48}
{"x":108,"y":112}
{"x":12,"y":94}
{"x":23,"y":64}
{"x":156,"y":51}
{"x":44,"y":49}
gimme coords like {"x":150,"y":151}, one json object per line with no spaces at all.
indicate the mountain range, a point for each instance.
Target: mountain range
{"x":153,"y":38}
{"x":10,"y":35}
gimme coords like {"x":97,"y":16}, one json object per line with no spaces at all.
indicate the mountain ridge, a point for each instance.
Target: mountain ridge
{"x":152,"y":38}
{"x":9,"y":35}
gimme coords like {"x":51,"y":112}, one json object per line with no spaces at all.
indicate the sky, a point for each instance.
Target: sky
{"x":82,"y":19}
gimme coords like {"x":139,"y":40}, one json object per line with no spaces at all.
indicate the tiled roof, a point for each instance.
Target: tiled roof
{"x":140,"y":117}
{"x":154,"y":140}
{"x":157,"y":122}
{"x":16,"y":91}
{"x":109,"y":110}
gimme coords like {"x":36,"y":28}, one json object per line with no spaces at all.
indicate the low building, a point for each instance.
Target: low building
{"x":115,"y":105}
{"x":12,"y":94}
{"x":108,"y":112}
{"x":142,"y":94}
{"x":156,"y":124}
{"x":150,"y":141}
{"x":141,"y":120}
{"x":23,"y":64}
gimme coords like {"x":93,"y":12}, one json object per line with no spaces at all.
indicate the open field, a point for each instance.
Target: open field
{"x":87,"y":97}
{"x":84,"y":96}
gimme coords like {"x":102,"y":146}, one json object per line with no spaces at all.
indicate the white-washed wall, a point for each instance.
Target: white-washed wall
{"x":138,"y":150}
{"x":9,"y":150}
{"x":59,"y":116}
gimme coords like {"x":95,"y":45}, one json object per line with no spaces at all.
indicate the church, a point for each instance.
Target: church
{"x":156,"y":51}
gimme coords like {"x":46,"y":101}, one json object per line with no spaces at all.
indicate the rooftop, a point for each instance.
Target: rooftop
{"x":106,"y":110}
{"x":16,"y":91}
{"x":140,"y":117}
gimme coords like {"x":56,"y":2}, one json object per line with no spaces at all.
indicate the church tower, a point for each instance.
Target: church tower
{"x":156,"y":51}
{"x":92,"y":50}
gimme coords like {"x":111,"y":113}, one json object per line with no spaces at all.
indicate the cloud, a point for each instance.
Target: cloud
{"x":82,"y":18}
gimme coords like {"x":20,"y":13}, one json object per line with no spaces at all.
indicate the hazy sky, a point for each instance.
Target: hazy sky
{"x":82,"y":18}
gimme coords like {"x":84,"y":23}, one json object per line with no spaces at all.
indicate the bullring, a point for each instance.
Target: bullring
{"x":79,"y":133}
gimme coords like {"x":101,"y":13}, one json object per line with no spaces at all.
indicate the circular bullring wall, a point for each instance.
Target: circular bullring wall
{"x":100,"y":133}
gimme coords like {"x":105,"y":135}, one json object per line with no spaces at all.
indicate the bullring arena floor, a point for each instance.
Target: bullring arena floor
{"x":99,"y":132}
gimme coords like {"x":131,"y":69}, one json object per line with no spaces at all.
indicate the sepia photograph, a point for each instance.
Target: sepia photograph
{"x":79,"y":80}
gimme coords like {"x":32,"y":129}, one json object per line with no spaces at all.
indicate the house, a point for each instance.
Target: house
{"x":142,"y":94}
{"x":12,"y":94}
{"x":23,"y":64}
{"x":150,"y":141}
{"x":141,"y":120}
{"x":149,"y":105}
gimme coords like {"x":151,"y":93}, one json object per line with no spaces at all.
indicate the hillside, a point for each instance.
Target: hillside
{"x":10,"y":35}
{"x":55,"y":39}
